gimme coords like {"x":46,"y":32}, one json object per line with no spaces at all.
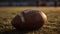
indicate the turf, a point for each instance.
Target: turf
{"x":52,"y":26}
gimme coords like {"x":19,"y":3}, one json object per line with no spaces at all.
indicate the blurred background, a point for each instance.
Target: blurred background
{"x":29,"y":2}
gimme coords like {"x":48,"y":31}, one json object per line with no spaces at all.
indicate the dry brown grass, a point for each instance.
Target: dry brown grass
{"x":51,"y":27}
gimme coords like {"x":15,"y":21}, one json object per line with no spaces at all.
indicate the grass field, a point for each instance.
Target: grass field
{"x":51,"y":27}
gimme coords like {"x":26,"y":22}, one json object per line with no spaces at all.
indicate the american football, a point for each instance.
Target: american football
{"x":29,"y":20}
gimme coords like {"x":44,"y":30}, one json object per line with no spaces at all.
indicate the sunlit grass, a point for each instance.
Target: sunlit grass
{"x":51,"y":27}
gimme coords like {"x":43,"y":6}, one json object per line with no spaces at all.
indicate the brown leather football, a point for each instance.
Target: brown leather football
{"x":29,"y":20}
